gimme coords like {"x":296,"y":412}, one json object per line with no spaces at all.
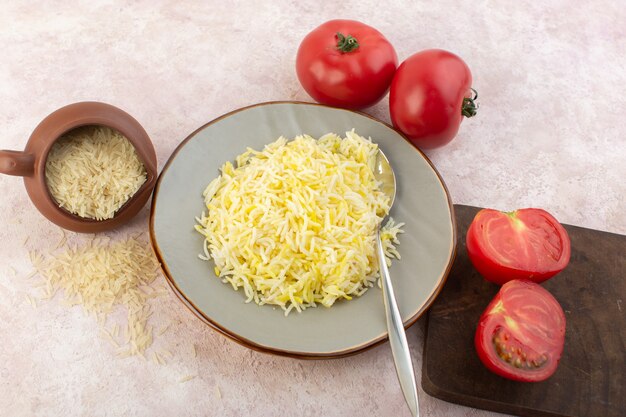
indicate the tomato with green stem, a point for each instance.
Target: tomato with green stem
{"x":346,"y":63}
{"x":430,"y":95}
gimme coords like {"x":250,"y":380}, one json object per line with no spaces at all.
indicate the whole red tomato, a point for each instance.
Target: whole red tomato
{"x":430,"y":94}
{"x":521,"y":334}
{"x":522,"y":244}
{"x":345,"y":63}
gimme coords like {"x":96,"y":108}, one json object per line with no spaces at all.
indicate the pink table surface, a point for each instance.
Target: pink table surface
{"x":550,"y":133}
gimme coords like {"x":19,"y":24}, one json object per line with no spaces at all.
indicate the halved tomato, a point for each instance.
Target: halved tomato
{"x":522,"y":244}
{"x":521,"y":334}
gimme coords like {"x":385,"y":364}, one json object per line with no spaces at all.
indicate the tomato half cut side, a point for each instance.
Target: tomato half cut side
{"x":521,"y":334}
{"x":523,"y":244}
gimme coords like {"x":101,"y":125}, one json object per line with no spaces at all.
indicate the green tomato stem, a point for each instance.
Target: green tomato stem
{"x":346,"y":44}
{"x":469,"y":106}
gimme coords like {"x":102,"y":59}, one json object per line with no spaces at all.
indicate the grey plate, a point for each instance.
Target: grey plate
{"x":422,"y":202}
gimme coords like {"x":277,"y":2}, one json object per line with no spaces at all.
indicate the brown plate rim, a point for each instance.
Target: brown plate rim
{"x":273,"y":350}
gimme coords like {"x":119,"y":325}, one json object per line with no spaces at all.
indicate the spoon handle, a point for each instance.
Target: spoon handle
{"x":397,"y":336}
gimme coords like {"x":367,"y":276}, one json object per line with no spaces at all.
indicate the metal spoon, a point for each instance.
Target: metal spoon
{"x":397,"y":336}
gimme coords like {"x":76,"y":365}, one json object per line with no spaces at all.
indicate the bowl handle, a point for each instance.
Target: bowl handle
{"x":17,"y":163}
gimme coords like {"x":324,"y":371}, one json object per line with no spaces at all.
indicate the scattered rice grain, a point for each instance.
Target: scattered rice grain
{"x":62,"y":240}
{"x":31,"y":301}
{"x":100,"y":277}
{"x":164,"y":329}
{"x":187,"y":378}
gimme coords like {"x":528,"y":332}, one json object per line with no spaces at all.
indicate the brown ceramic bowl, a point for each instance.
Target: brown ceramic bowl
{"x":31,"y":163}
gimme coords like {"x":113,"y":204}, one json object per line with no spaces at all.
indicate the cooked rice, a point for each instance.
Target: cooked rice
{"x":295,"y":225}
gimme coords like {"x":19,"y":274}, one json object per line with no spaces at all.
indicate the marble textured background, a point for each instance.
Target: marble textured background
{"x":550,"y":133}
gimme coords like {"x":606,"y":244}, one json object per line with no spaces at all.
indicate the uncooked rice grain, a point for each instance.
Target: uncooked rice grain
{"x":102,"y":276}
{"x":92,"y":171}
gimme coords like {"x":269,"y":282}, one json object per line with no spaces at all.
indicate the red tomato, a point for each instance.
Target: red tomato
{"x":430,"y":94}
{"x":346,"y":63}
{"x":522,"y":244}
{"x":521,"y":334}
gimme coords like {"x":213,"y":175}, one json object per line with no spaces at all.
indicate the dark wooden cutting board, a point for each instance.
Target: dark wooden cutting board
{"x":590,"y":379}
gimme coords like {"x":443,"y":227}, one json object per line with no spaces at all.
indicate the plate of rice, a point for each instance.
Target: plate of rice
{"x":264,"y":221}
